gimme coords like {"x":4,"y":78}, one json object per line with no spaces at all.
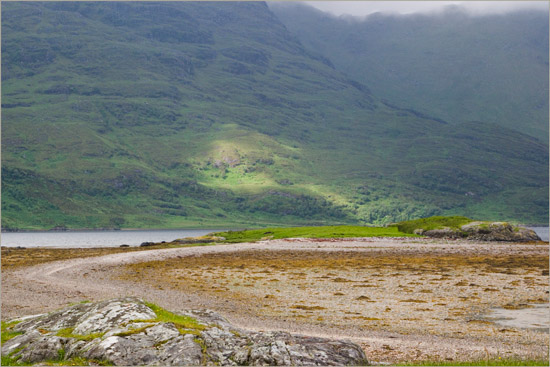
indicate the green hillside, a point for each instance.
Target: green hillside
{"x":212,"y":114}
{"x":458,"y":67}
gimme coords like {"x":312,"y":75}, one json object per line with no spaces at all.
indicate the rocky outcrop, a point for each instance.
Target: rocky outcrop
{"x":484,"y":231}
{"x":128,"y":332}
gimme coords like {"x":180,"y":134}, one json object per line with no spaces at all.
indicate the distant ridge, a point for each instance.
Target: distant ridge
{"x":449,"y":64}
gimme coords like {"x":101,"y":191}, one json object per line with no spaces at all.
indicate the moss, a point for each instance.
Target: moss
{"x":236,"y":333}
{"x":9,"y":324}
{"x":202,"y":344}
{"x":7,"y":335}
{"x":61,"y":354}
{"x":68,"y":333}
{"x":7,"y":332}
{"x":76,"y":361}
{"x":185,"y":324}
{"x":184,"y":331}
{"x":13,"y":361}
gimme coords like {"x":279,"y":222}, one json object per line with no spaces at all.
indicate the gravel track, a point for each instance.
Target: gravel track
{"x":49,"y":286}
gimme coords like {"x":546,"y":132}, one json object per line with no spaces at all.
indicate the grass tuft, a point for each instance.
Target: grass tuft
{"x":183,"y":323}
{"x":13,"y":361}
{"x":7,"y":333}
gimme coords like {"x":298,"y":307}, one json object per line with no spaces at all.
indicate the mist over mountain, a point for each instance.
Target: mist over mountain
{"x":135,"y":114}
{"x":454,"y":64}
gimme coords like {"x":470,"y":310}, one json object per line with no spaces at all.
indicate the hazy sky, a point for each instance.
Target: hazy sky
{"x":360,"y":8}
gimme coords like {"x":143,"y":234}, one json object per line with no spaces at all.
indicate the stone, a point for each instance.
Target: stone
{"x":498,"y":231}
{"x":43,"y":348}
{"x":125,"y":331}
{"x":484,"y":231}
{"x":419,"y":231}
{"x":445,"y":232}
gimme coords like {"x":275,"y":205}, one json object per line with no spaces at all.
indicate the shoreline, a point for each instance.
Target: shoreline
{"x":48,"y":286}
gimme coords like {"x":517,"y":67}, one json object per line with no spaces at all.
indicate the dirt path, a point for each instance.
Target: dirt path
{"x":49,"y":286}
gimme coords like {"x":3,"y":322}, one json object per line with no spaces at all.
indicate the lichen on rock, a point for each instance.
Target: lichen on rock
{"x":127,"y":331}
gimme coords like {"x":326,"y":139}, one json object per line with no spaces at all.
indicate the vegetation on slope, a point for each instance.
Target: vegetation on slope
{"x":187,"y":114}
{"x":453,"y":65}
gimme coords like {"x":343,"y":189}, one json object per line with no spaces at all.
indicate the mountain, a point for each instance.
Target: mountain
{"x":453,"y":65}
{"x":186,"y":114}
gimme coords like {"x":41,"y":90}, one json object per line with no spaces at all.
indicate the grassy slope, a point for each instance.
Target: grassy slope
{"x":491,"y":68}
{"x":177,"y":115}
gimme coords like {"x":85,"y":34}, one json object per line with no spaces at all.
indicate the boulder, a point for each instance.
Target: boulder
{"x":128,"y":332}
{"x":498,"y":231}
{"x":147,"y":244}
{"x":484,"y":231}
{"x":445,"y":232}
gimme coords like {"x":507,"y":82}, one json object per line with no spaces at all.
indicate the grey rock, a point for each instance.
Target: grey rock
{"x":125,"y":332}
{"x":445,"y":232}
{"x":498,"y":231}
{"x":418,"y":231}
{"x":484,"y":231}
{"x":182,"y":351}
{"x":147,"y":244}
{"x":44,"y":348}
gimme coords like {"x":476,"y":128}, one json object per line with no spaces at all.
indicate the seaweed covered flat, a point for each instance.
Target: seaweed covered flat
{"x":402,"y":300}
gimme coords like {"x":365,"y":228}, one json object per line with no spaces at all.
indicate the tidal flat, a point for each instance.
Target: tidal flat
{"x":402,"y":300}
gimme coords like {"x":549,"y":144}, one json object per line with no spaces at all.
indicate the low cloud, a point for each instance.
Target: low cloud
{"x":362,"y":8}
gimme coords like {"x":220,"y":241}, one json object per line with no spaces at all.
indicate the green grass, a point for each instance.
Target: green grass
{"x":181,"y":322}
{"x":436,"y":222}
{"x":79,"y":361}
{"x":483,"y":362}
{"x":310,"y":232}
{"x":68,"y":333}
{"x":74,"y":361}
{"x":13,"y":361}
{"x":7,"y":333}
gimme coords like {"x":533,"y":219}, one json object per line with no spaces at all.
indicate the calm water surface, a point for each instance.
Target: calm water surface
{"x":97,"y":238}
{"x":117,"y":238}
{"x":542,"y":232}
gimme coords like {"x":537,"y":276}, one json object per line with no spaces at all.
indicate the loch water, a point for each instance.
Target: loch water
{"x":541,"y":231}
{"x":82,"y":239}
{"x":87,"y":239}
